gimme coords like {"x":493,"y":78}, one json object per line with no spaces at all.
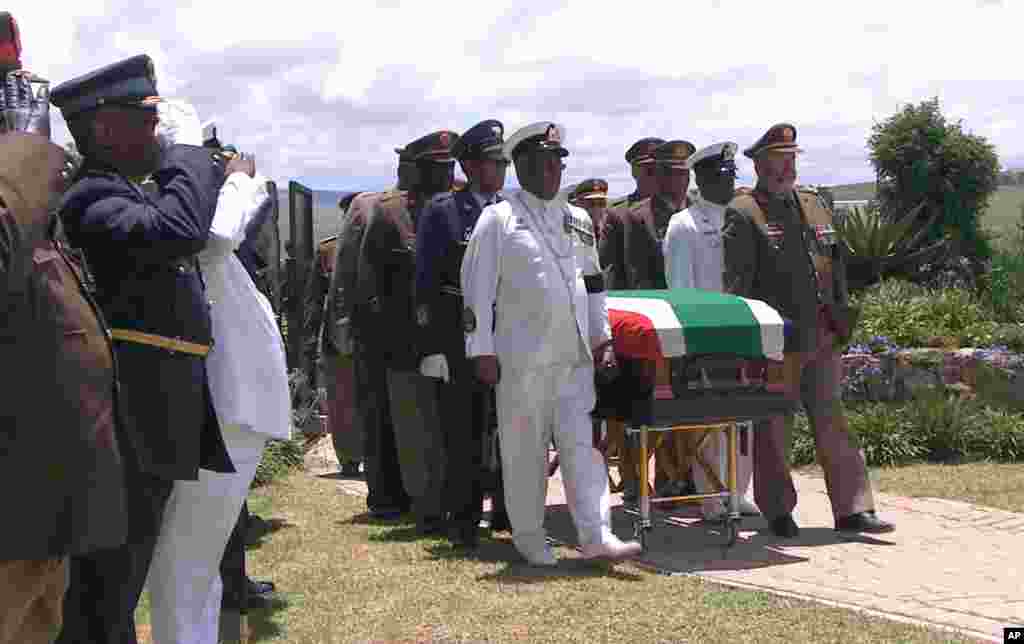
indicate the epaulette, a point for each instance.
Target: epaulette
{"x":743,"y":197}
{"x":618,"y":201}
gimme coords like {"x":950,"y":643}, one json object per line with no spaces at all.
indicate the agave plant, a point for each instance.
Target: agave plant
{"x":881,"y":245}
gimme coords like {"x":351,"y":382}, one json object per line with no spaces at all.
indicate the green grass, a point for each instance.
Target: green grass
{"x":994,"y":485}
{"x":345,"y":579}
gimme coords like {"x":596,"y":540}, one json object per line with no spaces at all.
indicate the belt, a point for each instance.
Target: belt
{"x":171,"y":344}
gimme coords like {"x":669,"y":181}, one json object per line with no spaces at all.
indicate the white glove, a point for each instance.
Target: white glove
{"x":179,"y":123}
{"x":435,"y":366}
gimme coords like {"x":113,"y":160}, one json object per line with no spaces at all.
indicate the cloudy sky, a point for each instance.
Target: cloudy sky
{"x":322,"y":92}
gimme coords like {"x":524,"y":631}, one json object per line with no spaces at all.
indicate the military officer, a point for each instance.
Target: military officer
{"x":354,"y":329}
{"x":322,"y":351}
{"x":142,"y":250}
{"x":536,"y":319}
{"x":387,"y":271}
{"x":442,"y":233}
{"x":60,"y":465}
{"x":780,"y":248}
{"x":631,"y":252}
{"x":641,"y":165}
{"x":317,"y":282}
{"x":592,"y":195}
{"x":693,"y":259}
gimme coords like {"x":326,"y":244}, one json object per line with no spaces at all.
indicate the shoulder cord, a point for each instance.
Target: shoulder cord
{"x":807,"y":248}
{"x":570,"y":284}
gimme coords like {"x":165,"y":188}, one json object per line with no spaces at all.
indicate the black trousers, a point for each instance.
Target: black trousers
{"x":105,"y":586}
{"x":380,"y":454}
{"x":465,"y":410}
{"x":232,"y":564}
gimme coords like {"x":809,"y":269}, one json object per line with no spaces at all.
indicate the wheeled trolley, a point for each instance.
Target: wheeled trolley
{"x":717,"y":366}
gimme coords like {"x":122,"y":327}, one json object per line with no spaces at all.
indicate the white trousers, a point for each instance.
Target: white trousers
{"x":184,"y":579}
{"x":714,"y":454}
{"x":534,"y":406}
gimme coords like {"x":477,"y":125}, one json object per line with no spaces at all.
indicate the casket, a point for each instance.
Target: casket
{"x":709,"y":357}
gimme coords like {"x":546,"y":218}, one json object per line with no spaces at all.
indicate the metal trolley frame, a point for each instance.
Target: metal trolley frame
{"x":704,"y":410}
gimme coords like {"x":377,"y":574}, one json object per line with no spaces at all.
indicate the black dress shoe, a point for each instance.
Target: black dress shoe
{"x":430,"y":526}
{"x":464,"y":536}
{"x":350,"y":468}
{"x":785,"y":526}
{"x":866,"y":522}
{"x":259,"y":587}
{"x":386,"y":512}
{"x":499,"y":522}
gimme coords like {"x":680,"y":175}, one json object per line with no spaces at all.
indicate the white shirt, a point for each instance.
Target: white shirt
{"x":521,"y":261}
{"x":693,"y":249}
{"x":246,"y":368}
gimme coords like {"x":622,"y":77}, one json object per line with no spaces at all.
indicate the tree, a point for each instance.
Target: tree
{"x":919,"y":156}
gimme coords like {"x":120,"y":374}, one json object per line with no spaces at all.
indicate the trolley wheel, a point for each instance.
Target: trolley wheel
{"x":640,"y":533}
{"x":731,"y":528}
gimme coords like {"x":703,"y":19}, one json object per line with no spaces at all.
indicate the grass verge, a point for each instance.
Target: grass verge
{"x":347,"y":579}
{"x":996,"y":485}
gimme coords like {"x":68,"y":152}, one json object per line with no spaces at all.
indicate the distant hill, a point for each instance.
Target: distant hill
{"x":326,"y":215}
{"x":854,"y":191}
{"x":1003,"y":212}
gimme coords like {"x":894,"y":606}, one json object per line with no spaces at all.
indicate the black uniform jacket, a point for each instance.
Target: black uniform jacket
{"x":386,"y":278}
{"x":142,"y":251}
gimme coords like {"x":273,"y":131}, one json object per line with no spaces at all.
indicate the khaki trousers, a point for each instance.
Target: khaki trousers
{"x":340,"y":378}
{"x":846,"y":475}
{"x":32,"y":600}
{"x":414,"y":400}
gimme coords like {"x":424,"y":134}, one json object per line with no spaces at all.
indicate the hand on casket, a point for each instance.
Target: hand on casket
{"x":606,"y":365}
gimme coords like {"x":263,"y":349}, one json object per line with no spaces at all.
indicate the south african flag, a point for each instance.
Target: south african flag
{"x":652,"y":324}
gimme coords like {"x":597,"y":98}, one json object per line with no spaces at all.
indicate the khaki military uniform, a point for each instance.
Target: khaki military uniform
{"x":353,"y":320}
{"x":387,"y":278}
{"x":782,"y":250}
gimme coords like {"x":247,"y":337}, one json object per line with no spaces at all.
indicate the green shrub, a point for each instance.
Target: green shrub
{"x":279,"y":458}
{"x":934,"y":428}
{"x":913,"y":316}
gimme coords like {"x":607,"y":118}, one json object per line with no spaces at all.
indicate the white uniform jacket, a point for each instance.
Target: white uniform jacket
{"x":693,"y":247}
{"x":524,"y":258}
{"x":246,"y":367}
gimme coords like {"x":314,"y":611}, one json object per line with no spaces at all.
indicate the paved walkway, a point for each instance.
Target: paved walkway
{"x":949,"y":564}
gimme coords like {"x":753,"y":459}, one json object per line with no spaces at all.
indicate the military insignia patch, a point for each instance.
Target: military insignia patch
{"x":583,"y":229}
{"x":468,"y":320}
{"x":423,"y":315}
{"x":774,"y":233}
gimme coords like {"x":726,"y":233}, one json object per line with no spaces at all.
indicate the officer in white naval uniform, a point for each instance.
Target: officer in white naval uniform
{"x":535,"y":318}
{"x":249,"y":388}
{"x":694,"y":259}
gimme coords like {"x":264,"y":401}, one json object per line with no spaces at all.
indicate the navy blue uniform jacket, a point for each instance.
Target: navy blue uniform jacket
{"x":142,"y":249}
{"x":442,"y":235}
